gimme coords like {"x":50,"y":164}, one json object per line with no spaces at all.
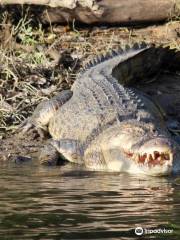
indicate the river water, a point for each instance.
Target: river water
{"x":71,"y":203}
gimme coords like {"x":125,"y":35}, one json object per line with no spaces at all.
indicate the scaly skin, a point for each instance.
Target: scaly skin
{"x":108,"y":125}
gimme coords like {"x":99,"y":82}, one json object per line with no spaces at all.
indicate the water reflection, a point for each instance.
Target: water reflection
{"x":68,"y":203}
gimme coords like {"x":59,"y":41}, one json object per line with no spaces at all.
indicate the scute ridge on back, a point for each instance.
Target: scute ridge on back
{"x":112,"y":53}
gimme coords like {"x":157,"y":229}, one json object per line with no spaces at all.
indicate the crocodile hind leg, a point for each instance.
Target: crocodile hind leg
{"x":44,"y":112}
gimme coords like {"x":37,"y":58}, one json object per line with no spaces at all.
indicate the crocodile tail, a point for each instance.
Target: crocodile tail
{"x":110,"y":55}
{"x":146,"y":64}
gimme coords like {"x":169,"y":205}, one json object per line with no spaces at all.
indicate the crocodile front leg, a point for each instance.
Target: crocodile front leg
{"x":44,"y":112}
{"x":69,"y":149}
{"x":57,"y":152}
{"x":49,"y":156}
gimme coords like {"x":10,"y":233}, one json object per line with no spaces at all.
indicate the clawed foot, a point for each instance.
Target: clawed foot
{"x":29,"y":127}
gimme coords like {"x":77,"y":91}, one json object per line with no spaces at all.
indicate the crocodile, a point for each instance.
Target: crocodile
{"x":104,"y":123}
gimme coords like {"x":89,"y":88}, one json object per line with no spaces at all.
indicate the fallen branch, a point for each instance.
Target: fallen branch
{"x":104,"y":11}
{"x":71,"y":4}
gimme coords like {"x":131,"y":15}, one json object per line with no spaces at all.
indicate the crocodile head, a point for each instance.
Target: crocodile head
{"x":139,"y":149}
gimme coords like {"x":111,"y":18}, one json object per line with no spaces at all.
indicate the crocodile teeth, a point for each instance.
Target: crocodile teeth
{"x":151,"y":159}
{"x":148,"y":157}
{"x":138,"y":157}
{"x":146,"y":160}
{"x":171,"y":157}
{"x":135,"y":158}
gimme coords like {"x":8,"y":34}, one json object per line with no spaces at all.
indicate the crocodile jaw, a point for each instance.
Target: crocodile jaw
{"x":154,"y":157}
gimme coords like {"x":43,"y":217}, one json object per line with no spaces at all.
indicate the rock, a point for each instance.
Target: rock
{"x":22,"y":159}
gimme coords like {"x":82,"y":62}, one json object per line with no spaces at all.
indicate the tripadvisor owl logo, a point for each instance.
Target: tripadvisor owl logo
{"x":139,"y":231}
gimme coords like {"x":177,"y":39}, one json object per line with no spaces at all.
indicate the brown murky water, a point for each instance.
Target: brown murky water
{"x":69,"y":203}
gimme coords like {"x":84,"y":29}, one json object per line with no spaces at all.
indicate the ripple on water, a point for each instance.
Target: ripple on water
{"x":68,"y":203}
